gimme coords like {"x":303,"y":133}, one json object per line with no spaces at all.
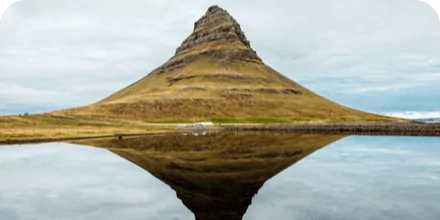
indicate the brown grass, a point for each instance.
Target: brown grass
{"x":31,"y":128}
{"x":153,"y":98}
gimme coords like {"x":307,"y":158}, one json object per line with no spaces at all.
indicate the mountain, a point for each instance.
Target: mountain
{"x":216,"y":176}
{"x":215,"y":74}
{"x":429,"y":120}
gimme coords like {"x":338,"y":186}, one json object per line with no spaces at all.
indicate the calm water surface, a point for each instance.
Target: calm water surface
{"x":356,"y":177}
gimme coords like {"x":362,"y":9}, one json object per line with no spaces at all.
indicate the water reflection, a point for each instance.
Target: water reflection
{"x":216,"y":175}
{"x":57,"y":181}
{"x":359,"y":177}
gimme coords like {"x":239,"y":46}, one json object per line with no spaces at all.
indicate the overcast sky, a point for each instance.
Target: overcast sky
{"x":375,"y":55}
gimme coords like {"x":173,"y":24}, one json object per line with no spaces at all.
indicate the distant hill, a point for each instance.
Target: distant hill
{"x":216,"y":75}
{"x":429,"y":120}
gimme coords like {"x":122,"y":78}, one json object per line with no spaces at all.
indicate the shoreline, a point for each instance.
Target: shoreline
{"x":62,"y":139}
{"x":383,"y":129}
{"x":97,"y":136}
{"x":350,"y":128}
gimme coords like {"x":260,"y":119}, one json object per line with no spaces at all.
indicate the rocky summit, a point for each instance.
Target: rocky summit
{"x":217,"y":25}
{"x":213,"y":74}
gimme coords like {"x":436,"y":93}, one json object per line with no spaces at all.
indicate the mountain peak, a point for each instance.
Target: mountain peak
{"x":214,"y":15}
{"x":214,"y":8}
{"x":218,"y":32}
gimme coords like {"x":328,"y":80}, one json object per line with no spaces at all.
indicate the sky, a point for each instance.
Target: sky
{"x":373,"y":55}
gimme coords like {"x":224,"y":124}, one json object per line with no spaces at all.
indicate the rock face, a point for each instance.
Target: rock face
{"x":216,"y":28}
{"x":220,"y":27}
{"x":215,"y":73}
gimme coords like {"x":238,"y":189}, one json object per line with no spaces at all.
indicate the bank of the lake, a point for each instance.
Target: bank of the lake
{"x":359,"y":128}
{"x":37,"y":129}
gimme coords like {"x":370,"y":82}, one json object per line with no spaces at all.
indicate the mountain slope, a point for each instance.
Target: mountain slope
{"x":216,"y":74}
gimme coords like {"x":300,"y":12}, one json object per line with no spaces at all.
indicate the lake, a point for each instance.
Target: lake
{"x":223,"y":176}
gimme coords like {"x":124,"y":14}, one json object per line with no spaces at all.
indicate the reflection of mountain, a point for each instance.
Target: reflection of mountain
{"x":216,"y":175}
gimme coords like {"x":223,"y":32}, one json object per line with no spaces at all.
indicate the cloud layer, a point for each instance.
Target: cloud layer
{"x":369,"y":54}
{"x":414,"y":115}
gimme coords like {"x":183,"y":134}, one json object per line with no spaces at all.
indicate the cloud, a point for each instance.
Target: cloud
{"x":7,"y":16}
{"x":413,"y":114}
{"x":435,"y":3}
{"x":337,"y":48}
{"x":358,"y":88}
{"x":15,"y":93}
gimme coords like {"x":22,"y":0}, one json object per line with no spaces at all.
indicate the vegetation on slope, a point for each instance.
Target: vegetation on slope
{"x":220,"y":92}
{"x":215,"y":74}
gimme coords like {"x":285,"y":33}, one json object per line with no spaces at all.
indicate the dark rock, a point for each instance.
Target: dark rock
{"x":217,"y":25}
{"x":291,"y":91}
{"x":213,"y":8}
{"x":194,"y":88}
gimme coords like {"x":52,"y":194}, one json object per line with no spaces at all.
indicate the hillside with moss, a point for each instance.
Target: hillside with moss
{"x":216,"y":75}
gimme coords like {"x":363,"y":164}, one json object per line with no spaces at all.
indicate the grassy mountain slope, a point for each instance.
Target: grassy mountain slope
{"x":216,"y":75}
